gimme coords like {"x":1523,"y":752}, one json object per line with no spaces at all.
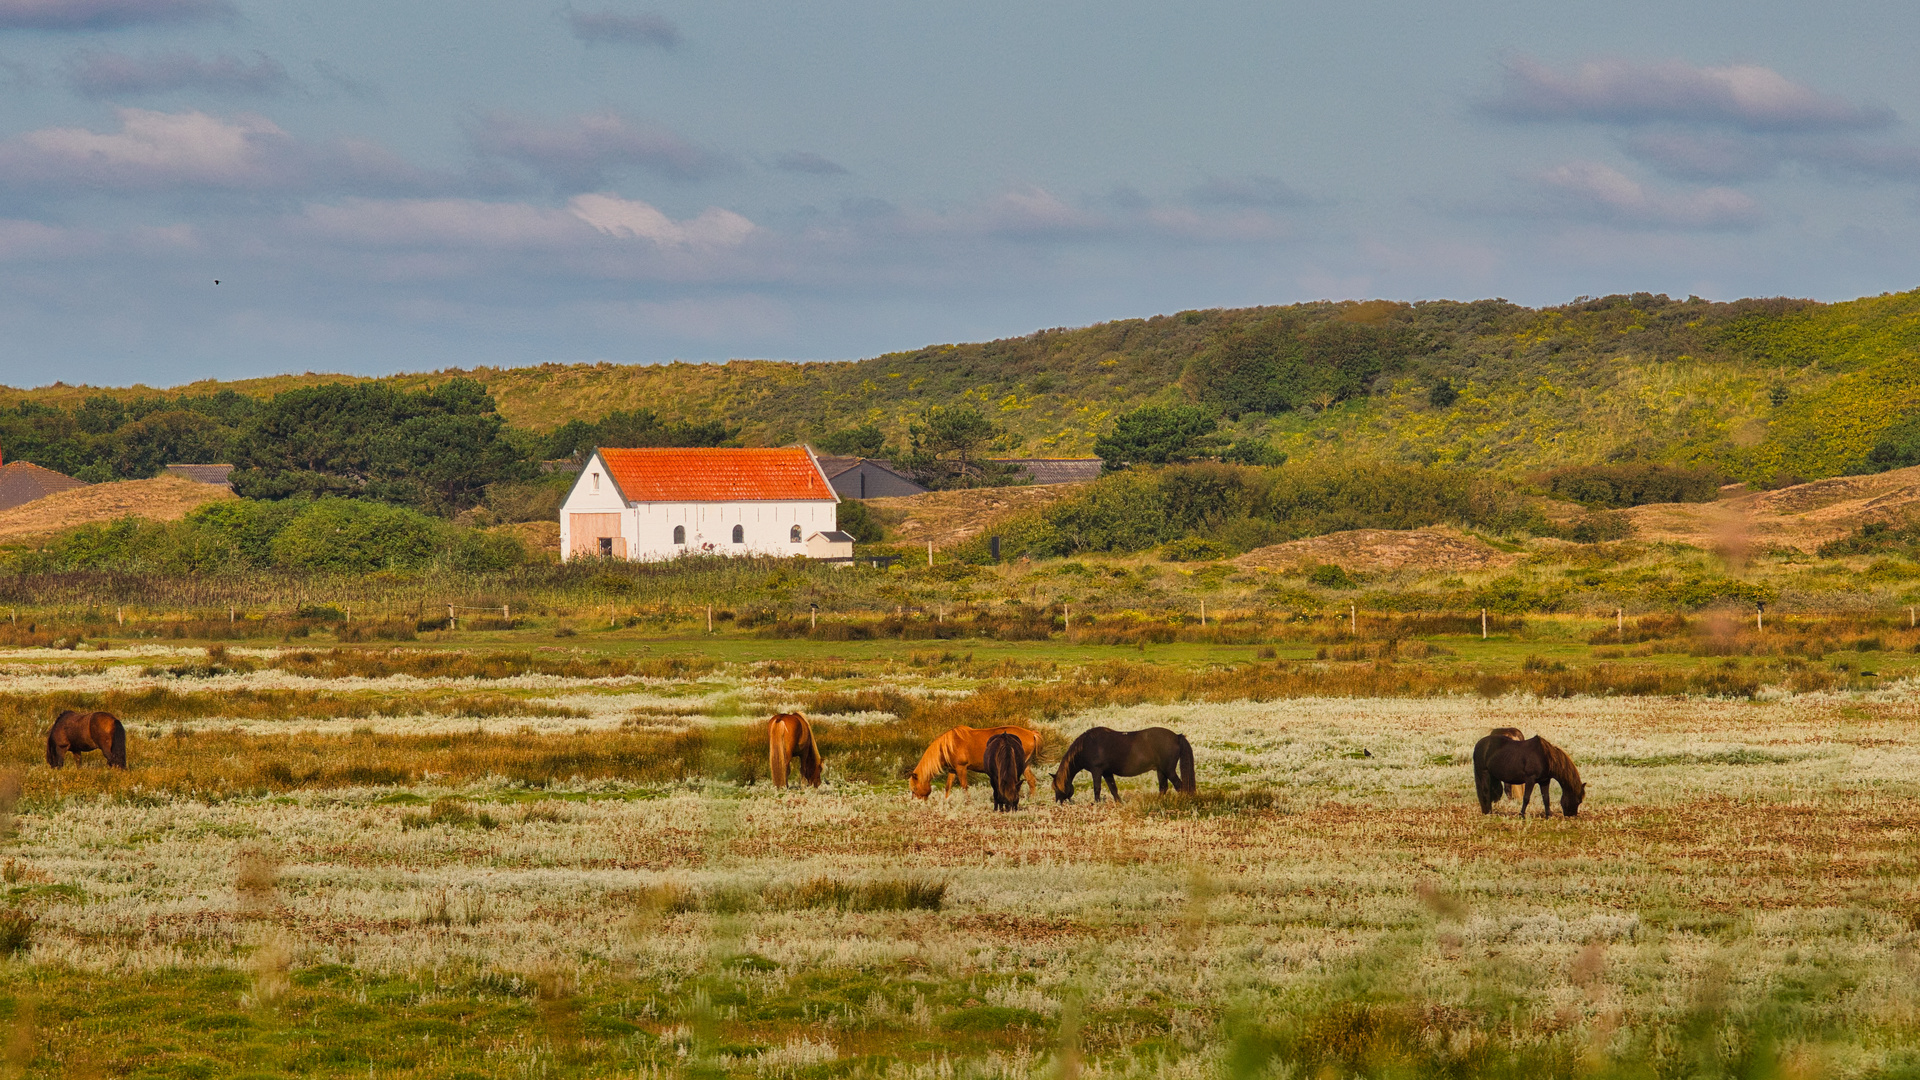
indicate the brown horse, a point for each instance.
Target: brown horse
{"x":77,"y":732}
{"x":1499,"y":760}
{"x":1006,"y":760}
{"x":1107,"y":753}
{"x":962,"y":750}
{"x":790,"y":739}
{"x":1503,"y":791}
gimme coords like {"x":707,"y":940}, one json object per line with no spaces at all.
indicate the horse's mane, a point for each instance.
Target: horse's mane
{"x":938,"y":753}
{"x":1561,"y":766}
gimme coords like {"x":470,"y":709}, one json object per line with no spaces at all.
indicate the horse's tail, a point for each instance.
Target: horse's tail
{"x":1483,"y":783}
{"x":53,"y":748}
{"x":1187,"y":782}
{"x":117,"y":750}
{"x":809,"y":752}
{"x":777,"y":752}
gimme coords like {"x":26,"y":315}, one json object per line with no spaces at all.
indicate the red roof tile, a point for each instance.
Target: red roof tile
{"x":716,"y":475}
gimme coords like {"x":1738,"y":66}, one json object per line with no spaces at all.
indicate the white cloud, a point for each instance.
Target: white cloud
{"x":1592,"y":190}
{"x":1616,"y":91}
{"x":615,"y":216}
{"x":152,"y":149}
{"x":474,"y":223}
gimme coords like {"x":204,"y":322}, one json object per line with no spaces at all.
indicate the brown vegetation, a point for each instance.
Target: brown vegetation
{"x":163,"y":498}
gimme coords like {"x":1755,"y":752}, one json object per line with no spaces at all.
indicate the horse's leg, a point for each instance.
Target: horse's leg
{"x":1113,"y":787}
{"x":1526,"y":796}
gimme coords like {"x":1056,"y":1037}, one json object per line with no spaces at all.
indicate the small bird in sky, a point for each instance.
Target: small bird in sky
{"x":216,"y":281}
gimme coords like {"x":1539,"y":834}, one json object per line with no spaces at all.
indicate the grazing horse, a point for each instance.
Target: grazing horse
{"x":1499,"y":760}
{"x":1006,"y":762}
{"x":77,"y":732}
{"x":1107,"y":753}
{"x":1498,"y":791}
{"x":962,"y":750}
{"x":790,"y":739}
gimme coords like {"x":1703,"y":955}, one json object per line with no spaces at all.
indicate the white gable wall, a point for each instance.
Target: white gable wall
{"x":647,"y":528}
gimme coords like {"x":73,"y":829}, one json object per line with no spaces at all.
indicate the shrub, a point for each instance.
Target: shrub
{"x":1193,"y":549}
{"x":16,"y":929}
{"x":356,"y":537}
{"x":479,"y":551}
{"x":1634,"y":484}
{"x":1329,"y":576}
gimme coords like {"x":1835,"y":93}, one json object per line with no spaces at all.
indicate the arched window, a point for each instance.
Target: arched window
{"x":793,"y":534}
{"x":739,"y":534}
{"x":679,"y":534}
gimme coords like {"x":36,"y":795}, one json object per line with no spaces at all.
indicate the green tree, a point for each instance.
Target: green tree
{"x":352,"y":536}
{"x":1157,"y":435}
{"x":1897,"y":448}
{"x":436,"y":449}
{"x":945,"y":448}
{"x":867,"y":440}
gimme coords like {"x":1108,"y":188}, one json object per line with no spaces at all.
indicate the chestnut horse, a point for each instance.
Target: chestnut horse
{"x":77,"y":732}
{"x":1107,"y":753}
{"x":1006,"y":760}
{"x":1500,"y":760}
{"x":790,"y":739}
{"x":962,"y":750}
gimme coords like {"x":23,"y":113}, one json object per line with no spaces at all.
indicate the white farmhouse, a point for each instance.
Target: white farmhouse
{"x":658,"y":504}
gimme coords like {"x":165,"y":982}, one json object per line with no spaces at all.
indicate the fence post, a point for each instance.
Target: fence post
{"x":1759,"y":618}
{"x":1483,"y":624}
{"x":229,"y":617}
{"x":503,"y":612}
{"x":1620,"y":623}
{"x":1355,"y":616}
{"x":929,"y":553}
{"x":450,"y":623}
{"x":1203,"y":613}
{"x":120,"y":615}
{"x":1066,"y":612}
{"x":813,"y":616}
{"x":709,"y":618}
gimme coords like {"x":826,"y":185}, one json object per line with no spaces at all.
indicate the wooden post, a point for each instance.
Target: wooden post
{"x":1483,"y":624}
{"x":1203,"y":613}
{"x":709,"y":618}
{"x":929,"y":553}
{"x":229,"y":616}
{"x":1355,"y":616}
{"x":450,"y":623}
{"x":1620,"y":623}
{"x":1759,"y":618}
{"x":503,"y":612}
{"x":813,"y":617}
{"x":120,"y":615}
{"x":1066,"y":612}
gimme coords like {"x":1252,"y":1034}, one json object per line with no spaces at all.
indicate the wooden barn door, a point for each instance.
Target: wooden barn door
{"x":587,"y":530}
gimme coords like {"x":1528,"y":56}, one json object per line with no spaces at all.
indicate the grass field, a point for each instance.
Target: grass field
{"x":505,"y":853}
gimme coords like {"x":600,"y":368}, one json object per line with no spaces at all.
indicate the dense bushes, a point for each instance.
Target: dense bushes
{"x":1634,"y":484}
{"x":325,"y":535}
{"x":1242,"y":507}
{"x":1290,"y":359}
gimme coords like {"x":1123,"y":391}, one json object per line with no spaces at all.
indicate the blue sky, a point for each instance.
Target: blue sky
{"x":383,"y":187}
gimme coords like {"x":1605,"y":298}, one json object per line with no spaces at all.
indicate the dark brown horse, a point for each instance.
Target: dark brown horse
{"x":77,"y":732}
{"x":1500,"y":760}
{"x":1499,"y":791}
{"x":1107,"y":753}
{"x":1006,"y":762}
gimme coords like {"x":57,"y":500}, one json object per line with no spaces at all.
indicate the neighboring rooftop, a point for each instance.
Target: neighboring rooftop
{"x":22,"y":482}
{"x":716,"y":475}
{"x":867,"y":478}
{"x":1055,"y":470}
{"x":205,"y":474}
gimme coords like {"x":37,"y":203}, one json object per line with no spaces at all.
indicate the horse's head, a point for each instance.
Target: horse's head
{"x":920,"y":785}
{"x":1062,"y":784}
{"x":1571,"y":796}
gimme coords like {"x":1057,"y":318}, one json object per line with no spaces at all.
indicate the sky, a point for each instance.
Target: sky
{"x":382,"y":187}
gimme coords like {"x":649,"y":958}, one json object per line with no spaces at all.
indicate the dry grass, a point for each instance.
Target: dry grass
{"x":163,"y":498}
{"x":951,"y":517}
{"x":1383,"y":549}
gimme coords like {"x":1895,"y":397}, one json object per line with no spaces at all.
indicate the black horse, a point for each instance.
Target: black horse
{"x":1107,"y":753}
{"x":1500,"y":759}
{"x":1006,"y":764}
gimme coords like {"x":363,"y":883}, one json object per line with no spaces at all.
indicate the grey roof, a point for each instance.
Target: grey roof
{"x":22,"y":482}
{"x":836,"y":537}
{"x":834,"y":466}
{"x":206,"y":474}
{"x":860,"y":478}
{"x":1055,"y":470}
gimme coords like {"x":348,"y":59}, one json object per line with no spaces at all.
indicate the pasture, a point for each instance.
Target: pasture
{"x":448,"y":859}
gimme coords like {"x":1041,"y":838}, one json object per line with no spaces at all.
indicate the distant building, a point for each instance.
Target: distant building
{"x":830,"y":545}
{"x":22,"y":482}
{"x":1054,"y":470}
{"x":217,"y":475}
{"x":658,"y":504}
{"x":865,"y":478}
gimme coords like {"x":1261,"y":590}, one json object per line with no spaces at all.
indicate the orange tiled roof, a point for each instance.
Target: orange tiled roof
{"x":716,"y":475}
